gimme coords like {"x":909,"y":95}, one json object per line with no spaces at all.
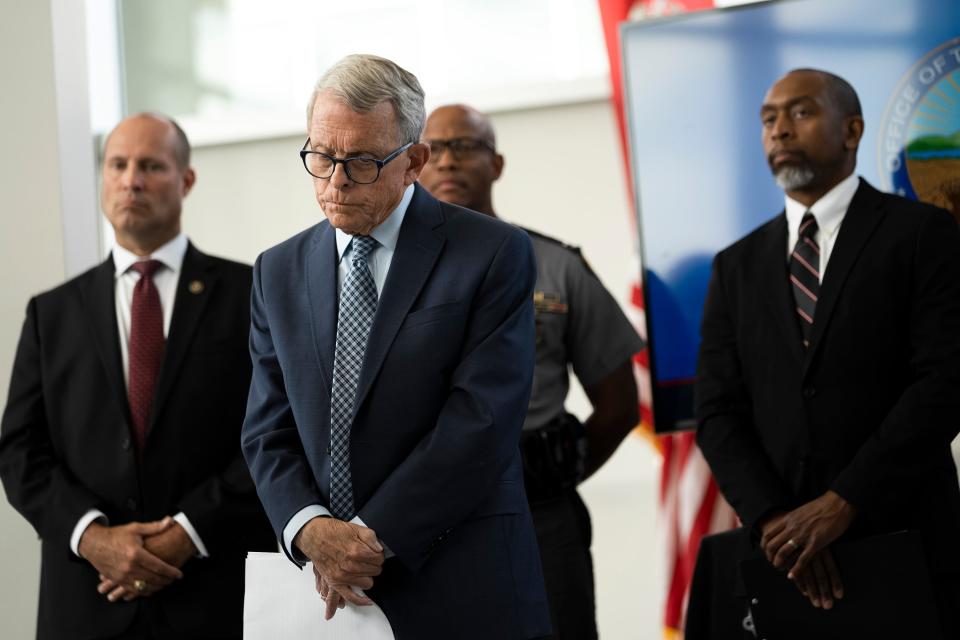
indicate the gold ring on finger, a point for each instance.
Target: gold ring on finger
{"x":140,"y":586}
{"x":793,"y":544}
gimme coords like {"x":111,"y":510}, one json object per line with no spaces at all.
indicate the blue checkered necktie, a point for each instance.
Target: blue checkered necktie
{"x":358,"y":303}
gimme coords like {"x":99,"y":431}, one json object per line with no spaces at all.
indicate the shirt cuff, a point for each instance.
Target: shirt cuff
{"x":183,"y":521}
{"x":82,"y":524}
{"x":296,"y":523}
{"x":304,"y":516}
{"x":386,"y":550}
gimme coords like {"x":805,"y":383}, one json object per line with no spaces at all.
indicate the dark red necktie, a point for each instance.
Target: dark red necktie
{"x":146,"y":348}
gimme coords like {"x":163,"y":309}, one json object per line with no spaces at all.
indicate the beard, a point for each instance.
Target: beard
{"x":791,"y":178}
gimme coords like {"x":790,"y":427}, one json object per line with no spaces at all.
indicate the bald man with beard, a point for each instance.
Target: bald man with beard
{"x":829,"y":369}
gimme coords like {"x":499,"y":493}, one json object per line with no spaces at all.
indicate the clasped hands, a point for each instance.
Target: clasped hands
{"x":136,"y":559}
{"x":344,"y":556}
{"x":799,"y":540}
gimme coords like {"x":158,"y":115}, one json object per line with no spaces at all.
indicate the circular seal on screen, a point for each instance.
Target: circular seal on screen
{"x":919,"y":147}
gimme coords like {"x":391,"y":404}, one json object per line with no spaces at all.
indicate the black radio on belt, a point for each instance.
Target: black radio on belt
{"x":553,"y":458}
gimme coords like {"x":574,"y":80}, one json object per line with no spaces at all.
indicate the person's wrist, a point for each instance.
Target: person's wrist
{"x":841,"y":505}
{"x":303,"y":541}
{"x":87,"y":538}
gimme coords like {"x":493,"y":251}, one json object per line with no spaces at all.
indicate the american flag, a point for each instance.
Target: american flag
{"x":690,"y":504}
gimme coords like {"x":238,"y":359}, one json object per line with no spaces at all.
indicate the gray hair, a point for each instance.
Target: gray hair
{"x":363,"y":81}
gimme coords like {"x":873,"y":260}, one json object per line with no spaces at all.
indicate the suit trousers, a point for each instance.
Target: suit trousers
{"x":150,"y":624}
{"x":564,"y":534}
{"x":946,"y":589}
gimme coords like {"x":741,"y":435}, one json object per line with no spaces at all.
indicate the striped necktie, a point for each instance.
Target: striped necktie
{"x":358,"y":304}
{"x":805,"y":275}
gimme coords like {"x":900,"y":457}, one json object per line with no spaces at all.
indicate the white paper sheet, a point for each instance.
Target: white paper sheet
{"x":281,"y":601}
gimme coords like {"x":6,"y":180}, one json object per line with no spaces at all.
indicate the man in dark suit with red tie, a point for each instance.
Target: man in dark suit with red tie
{"x":120,"y":439}
{"x":828,"y":387}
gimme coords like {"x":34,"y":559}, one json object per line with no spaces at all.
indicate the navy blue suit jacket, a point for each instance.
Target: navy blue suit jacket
{"x":440,"y":402}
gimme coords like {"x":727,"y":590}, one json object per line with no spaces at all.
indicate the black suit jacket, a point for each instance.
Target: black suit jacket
{"x":870,"y":408}
{"x":66,"y":447}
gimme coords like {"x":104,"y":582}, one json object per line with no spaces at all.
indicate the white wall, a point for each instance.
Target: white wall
{"x":251,"y":195}
{"x":31,"y":252}
{"x":563,"y":177}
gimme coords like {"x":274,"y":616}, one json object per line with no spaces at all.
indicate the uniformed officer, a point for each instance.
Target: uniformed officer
{"x":579,"y":324}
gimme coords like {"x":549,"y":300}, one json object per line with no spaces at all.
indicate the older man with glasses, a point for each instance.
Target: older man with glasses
{"x":393,"y":348}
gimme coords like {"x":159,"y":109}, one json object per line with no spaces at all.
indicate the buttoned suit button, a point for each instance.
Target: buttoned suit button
{"x":809,"y":392}
{"x":125,"y":443}
{"x":131,"y":504}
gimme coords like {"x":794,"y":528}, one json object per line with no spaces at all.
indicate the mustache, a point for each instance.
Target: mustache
{"x":800,"y":156}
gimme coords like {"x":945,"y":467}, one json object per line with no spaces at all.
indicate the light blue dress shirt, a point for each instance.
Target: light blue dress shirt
{"x":386,"y":234}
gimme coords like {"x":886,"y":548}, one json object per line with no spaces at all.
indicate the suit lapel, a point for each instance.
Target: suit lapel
{"x":775,"y":284}
{"x":322,"y":294}
{"x":862,"y":217}
{"x":198,"y":280}
{"x":98,"y":299}
{"x":418,"y":247}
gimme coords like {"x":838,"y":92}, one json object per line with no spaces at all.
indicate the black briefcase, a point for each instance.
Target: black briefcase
{"x":887,"y":595}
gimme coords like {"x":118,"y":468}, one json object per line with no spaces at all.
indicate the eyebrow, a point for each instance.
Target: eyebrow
{"x":350,"y":154}
{"x":786,"y":105}
{"x":126,"y":158}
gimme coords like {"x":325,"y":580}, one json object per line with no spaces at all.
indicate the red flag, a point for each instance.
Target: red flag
{"x":690,"y":503}
{"x":690,"y":507}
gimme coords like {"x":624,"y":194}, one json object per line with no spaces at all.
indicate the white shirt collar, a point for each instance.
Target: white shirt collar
{"x":828,"y":210}
{"x":170,"y":254}
{"x":387,"y":232}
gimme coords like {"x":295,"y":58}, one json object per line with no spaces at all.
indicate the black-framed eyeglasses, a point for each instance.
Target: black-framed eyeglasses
{"x":360,"y":170}
{"x":459,"y":147}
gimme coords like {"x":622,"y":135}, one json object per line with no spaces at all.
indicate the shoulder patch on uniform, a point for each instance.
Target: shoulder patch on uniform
{"x":586,"y":265}
{"x":563,"y":245}
{"x":551,"y":240}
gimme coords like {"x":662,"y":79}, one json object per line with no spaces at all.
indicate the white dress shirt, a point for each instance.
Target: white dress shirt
{"x":379,"y":260}
{"x":829,"y":212}
{"x":165,"y":279}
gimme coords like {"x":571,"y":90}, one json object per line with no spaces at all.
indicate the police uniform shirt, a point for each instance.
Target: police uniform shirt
{"x":578,"y":323}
